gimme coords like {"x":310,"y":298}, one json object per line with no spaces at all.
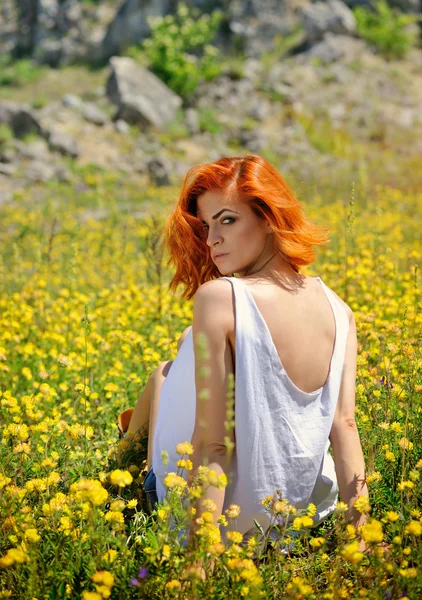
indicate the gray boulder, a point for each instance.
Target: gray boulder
{"x":93,"y":114}
{"x":130,"y":25}
{"x":20,"y":118}
{"x":39,"y":171}
{"x":64,"y":144}
{"x":332,"y":16}
{"x":336,"y":47}
{"x":140,"y":96}
{"x":159,"y":170}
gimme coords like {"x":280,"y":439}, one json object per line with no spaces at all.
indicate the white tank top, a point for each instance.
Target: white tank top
{"x":281,"y":432}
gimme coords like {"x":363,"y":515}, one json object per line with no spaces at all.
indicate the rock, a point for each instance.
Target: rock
{"x":335,"y":47}
{"x":8,"y":170}
{"x":253,"y":70}
{"x":20,"y":118}
{"x":192,"y":121}
{"x":39,"y":171}
{"x":62,"y":174}
{"x":407,"y":6}
{"x":93,"y":114}
{"x":130,"y":26}
{"x":122,"y":127}
{"x":254,"y":140}
{"x":331,"y":16}
{"x":7,"y":155}
{"x":72,"y":101}
{"x":253,"y":25}
{"x":259,"y":109}
{"x":36,"y":150}
{"x":65,"y":144}
{"x":141,"y":97}
{"x":159,"y":170}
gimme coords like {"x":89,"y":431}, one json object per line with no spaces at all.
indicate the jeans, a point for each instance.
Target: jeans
{"x":150,"y":489}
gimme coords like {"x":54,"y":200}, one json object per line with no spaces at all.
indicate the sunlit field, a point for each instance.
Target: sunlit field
{"x":86,"y":318}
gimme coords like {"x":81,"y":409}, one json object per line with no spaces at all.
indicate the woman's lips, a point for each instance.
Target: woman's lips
{"x":221,"y":256}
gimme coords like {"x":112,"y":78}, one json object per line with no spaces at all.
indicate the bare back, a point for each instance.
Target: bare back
{"x":302,"y":326}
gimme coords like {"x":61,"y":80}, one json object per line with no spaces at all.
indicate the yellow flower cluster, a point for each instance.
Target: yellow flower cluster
{"x":184,"y":448}
{"x":89,"y":489}
{"x":298,"y":588}
{"x":301,"y":522}
{"x":173,"y":480}
{"x":362,"y":504}
{"x":244,"y":568}
{"x":104,"y":581}
{"x":371,"y":532}
{"x":120,"y":478}
{"x":351,"y":553}
{"x":12,"y":556}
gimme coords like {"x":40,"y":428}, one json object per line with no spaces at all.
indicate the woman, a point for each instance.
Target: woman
{"x":288,"y":339}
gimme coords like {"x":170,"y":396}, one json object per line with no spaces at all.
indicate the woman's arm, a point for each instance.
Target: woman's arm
{"x":211,"y":319}
{"x":344,"y":436}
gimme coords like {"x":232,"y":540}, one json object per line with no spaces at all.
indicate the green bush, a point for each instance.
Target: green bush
{"x":17,"y":73}
{"x":385,"y":28}
{"x":178,"y":49}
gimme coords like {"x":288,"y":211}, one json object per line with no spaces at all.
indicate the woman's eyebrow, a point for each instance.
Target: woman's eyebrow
{"x":220,"y":212}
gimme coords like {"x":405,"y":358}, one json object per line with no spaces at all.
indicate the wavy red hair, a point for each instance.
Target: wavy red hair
{"x":257,"y":183}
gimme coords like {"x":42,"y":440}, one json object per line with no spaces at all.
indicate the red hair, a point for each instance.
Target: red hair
{"x":258,"y":184}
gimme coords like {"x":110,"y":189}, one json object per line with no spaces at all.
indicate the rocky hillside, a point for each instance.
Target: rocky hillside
{"x":329,"y":103}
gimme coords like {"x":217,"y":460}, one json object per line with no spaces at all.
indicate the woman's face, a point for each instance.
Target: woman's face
{"x":237,"y":232}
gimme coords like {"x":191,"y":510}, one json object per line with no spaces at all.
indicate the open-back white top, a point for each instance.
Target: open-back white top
{"x":281,"y":432}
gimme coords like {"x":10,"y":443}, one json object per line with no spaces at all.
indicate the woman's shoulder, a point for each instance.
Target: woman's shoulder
{"x":343,"y":303}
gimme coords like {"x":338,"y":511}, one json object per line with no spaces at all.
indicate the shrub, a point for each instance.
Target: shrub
{"x":178,"y":49}
{"x":386,"y":29}
{"x":17,"y":73}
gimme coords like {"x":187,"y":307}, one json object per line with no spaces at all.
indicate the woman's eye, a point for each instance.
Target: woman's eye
{"x":224,"y":219}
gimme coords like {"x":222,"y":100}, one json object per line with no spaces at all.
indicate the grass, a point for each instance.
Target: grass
{"x":86,"y":318}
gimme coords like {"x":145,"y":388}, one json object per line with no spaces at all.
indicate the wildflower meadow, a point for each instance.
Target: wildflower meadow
{"x":86,"y":318}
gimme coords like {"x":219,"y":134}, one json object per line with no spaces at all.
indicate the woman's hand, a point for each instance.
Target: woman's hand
{"x":199,"y":566}
{"x":366,"y":549}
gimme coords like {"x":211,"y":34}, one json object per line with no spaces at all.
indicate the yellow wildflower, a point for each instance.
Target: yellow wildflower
{"x":173,"y":585}
{"x":117,"y":505}
{"x":110,"y":555}
{"x":317,"y":542}
{"x":216,"y":549}
{"x":185,"y":464}
{"x":307,"y":521}
{"x":209,"y":504}
{"x":86,"y":595}
{"x":103,"y":577}
{"x":341,"y":507}
{"x":414,"y":528}
{"x":351,"y":553}
{"x":184,"y":448}
{"x":235,"y":537}
{"x":372,"y":531}
{"x":115,"y":516}
{"x":173,"y":480}
{"x":405,"y":444}
{"x":392,"y":516}
{"x":351,"y":531}
{"x":362,"y":504}
{"x":120,"y":478}
{"x":405,"y":485}
{"x":32,"y":535}
{"x":233,"y":511}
